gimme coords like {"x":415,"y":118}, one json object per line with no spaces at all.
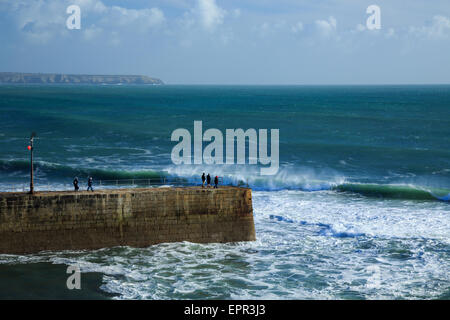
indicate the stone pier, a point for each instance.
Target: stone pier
{"x":123,"y":217}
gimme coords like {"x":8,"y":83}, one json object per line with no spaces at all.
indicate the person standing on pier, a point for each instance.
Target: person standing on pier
{"x":208,"y":181}
{"x":75,"y":184}
{"x":203,"y":180}
{"x":216,"y":182}
{"x":90,"y":184}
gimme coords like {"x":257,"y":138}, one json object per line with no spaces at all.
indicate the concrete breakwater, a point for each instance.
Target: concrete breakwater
{"x":123,"y":217}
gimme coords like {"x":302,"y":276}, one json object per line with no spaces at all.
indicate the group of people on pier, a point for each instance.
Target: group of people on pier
{"x":77,"y":187}
{"x":207,"y":179}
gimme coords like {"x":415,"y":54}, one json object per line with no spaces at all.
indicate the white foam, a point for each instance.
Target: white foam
{"x":287,"y":177}
{"x":302,"y":256}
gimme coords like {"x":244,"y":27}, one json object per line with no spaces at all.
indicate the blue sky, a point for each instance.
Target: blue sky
{"x":232,"y":42}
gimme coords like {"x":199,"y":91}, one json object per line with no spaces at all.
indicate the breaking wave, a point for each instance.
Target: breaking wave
{"x":58,"y":171}
{"x":304,"y":180}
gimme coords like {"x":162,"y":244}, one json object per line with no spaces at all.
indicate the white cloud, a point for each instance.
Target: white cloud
{"x":360,"y":28}
{"x":326,"y":27}
{"x":271,"y":28}
{"x":143,"y":19}
{"x":92,"y":32}
{"x":95,"y":6}
{"x":390,"y":33}
{"x":263,"y":30}
{"x":41,"y":20}
{"x":114,"y":39}
{"x":210,"y":14}
{"x":38,"y":21}
{"x":438,"y":29}
{"x":298,"y":27}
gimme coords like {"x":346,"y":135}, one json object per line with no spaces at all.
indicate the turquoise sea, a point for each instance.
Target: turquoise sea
{"x":359,"y":208}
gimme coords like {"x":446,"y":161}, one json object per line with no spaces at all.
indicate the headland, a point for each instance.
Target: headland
{"x":57,"y":78}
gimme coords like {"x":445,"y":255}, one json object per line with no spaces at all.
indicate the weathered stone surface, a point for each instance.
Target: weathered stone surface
{"x":133,"y":217}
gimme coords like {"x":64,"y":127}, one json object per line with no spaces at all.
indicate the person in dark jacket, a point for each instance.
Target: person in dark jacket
{"x":75,"y":184}
{"x":208,"y":181}
{"x":90,"y":184}
{"x":216,"y":182}
{"x":203,"y":180}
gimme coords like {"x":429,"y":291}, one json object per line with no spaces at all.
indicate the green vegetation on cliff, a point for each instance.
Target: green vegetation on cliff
{"x":15,"y":77}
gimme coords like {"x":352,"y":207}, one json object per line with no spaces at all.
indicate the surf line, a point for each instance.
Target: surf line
{"x":213,"y":153}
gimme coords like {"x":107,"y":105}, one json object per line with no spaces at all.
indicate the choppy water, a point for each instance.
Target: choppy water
{"x":358,"y":210}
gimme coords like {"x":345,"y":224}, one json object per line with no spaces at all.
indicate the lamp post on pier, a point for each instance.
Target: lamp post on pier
{"x":30,"y":147}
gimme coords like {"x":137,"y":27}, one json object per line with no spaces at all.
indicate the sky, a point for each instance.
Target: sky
{"x":232,"y":41}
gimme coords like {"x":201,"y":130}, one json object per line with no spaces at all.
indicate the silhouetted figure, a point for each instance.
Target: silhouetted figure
{"x":75,"y":184}
{"x":90,"y":184}
{"x":203,"y":180}
{"x":208,"y":180}
{"x":216,"y":182}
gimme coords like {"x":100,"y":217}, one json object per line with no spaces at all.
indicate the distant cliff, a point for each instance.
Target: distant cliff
{"x":15,"y":77}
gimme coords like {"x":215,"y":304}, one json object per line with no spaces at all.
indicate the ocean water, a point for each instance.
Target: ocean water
{"x":359,"y":208}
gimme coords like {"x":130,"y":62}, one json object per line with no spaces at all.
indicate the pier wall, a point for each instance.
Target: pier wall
{"x":127,"y":217}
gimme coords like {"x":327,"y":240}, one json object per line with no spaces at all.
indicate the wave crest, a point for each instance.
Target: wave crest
{"x":303,"y":179}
